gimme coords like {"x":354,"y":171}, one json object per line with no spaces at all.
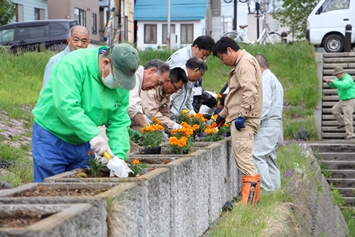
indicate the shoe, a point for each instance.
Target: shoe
{"x":228,"y":206}
{"x":350,"y":137}
{"x":340,"y":126}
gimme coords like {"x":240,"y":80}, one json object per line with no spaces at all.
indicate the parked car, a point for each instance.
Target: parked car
{"x":36,"y":35}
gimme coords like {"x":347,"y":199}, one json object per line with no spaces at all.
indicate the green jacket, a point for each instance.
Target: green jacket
{"x":75,"y":102}
{"x":345,"y":86}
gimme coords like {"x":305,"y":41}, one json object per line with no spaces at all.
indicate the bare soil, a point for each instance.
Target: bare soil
{"x":43,"y":191}
{"x":19,"y":221}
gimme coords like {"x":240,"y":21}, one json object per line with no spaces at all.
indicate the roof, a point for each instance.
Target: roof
{"x":180,"y":10}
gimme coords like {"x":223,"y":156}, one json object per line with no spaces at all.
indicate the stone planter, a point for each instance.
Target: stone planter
{"x":48,"y":220}
{"x":125,"y":192}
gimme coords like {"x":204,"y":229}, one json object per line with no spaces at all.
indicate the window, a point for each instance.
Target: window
{"x":80,"y":16}
{"x":31,"y":32}
{"x":94,"y":24}
{"x":7,"y":35}
{"x":19,"y":13}
{"x":187,"y":33}
{"x":332,"y":5}
{"x":150,"y":34}
{"x":165,"y":31}
{"x":39,"y":14}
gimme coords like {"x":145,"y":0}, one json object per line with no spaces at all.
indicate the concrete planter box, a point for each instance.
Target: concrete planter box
{"x":58,"y":220}
{"x":128,"y":193}
{"x":146,"y":214}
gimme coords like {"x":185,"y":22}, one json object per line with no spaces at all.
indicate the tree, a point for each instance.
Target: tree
{"x":293,"y":14}
{"x":7,"y":11}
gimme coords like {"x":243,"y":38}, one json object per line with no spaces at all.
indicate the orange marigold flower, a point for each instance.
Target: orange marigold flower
{"x":184,"y":124}
{"x":195,"y":127}
{"x":135,"y":162}
{"x":182,"y":143}
{"x":173,"y":140}
{"x":219,"y":96}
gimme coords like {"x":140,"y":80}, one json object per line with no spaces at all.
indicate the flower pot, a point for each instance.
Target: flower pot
{"x":152,"y":150}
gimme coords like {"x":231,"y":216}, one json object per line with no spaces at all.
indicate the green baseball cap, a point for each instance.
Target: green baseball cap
{"x":125,"y":63}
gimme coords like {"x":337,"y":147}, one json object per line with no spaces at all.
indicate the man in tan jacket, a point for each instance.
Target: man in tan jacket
{"x":156,"y":103}
{"x":242,"y":108}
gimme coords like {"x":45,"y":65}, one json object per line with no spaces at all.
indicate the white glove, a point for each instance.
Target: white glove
{"x":191,"y":112}
{"x":99,"y":145}
{"x":119,"y":167}
{"x":176,"y":126}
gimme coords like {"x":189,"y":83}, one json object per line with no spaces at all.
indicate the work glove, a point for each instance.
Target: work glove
{"x":176,"y":126}
{"x":217,"y":110}
{"x":239,"y":122}
{"x":220,"y":121}
{"x":118,"y":166}
{"x":99,"y":145}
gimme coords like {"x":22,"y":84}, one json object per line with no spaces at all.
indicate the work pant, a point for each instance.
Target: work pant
{"x":52,"y":156}
{"x":265,"y":145}
{"x":243,"y":146}
{"x":343,"y":113}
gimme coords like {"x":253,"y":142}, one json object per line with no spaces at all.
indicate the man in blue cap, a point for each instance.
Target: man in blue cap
{"x":88,"y":88}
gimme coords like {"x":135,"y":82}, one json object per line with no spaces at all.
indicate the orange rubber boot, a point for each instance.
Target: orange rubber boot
{"x":250,"y":191}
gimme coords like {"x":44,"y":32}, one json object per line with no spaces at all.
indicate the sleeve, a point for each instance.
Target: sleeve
{"x":135,"y":103}
{"x":47,"y":73}
{"x":176,"y":101}
{"x":117,"y":128}
{"x":67,"y":99}
{"x":248,"y":83}
{"x":189,"y":100}
{"x":345,"y":83}
{"x":152,"y":108}
{"x":268,"y":84}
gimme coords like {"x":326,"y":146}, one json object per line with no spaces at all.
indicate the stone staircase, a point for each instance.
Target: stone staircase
{"x":338,"y":165}
{"x":330,"y":96}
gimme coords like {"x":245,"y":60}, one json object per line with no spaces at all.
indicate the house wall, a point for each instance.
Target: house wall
{"x":29,"y":6}
{"x":64,"y":9}
{"x":199,"y":29}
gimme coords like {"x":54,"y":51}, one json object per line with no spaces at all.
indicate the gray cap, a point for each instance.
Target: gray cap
{"x":338,"y":70}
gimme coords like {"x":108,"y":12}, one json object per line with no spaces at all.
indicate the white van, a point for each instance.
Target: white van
{"x":326,"y":24}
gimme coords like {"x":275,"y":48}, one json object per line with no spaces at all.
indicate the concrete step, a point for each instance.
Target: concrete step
{"x":339,"y":164}
{"x":341,"y":148}
{"x":346,"y":192}
{"x":342,"y":174}
{"x":342,"y":182}
{"x":335,"y":156}
{"x":349,"y":200}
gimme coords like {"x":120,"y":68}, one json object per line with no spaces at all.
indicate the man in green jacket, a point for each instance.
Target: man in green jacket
{"x":344,"y":108}
{"x":88,"y":88}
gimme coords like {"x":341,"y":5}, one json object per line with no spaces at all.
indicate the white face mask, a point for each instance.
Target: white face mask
{"x":109,"y":81}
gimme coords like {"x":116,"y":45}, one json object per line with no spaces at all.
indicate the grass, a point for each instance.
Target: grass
{"x":293,"y":64}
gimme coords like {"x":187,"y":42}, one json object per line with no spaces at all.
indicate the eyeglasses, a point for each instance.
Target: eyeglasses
{"x":176,"y":89}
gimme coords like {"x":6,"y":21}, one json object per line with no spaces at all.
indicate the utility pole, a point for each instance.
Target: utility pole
{"x":168,"y":28}
{"x":235,"y":15}
{"x":257,"y":7}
